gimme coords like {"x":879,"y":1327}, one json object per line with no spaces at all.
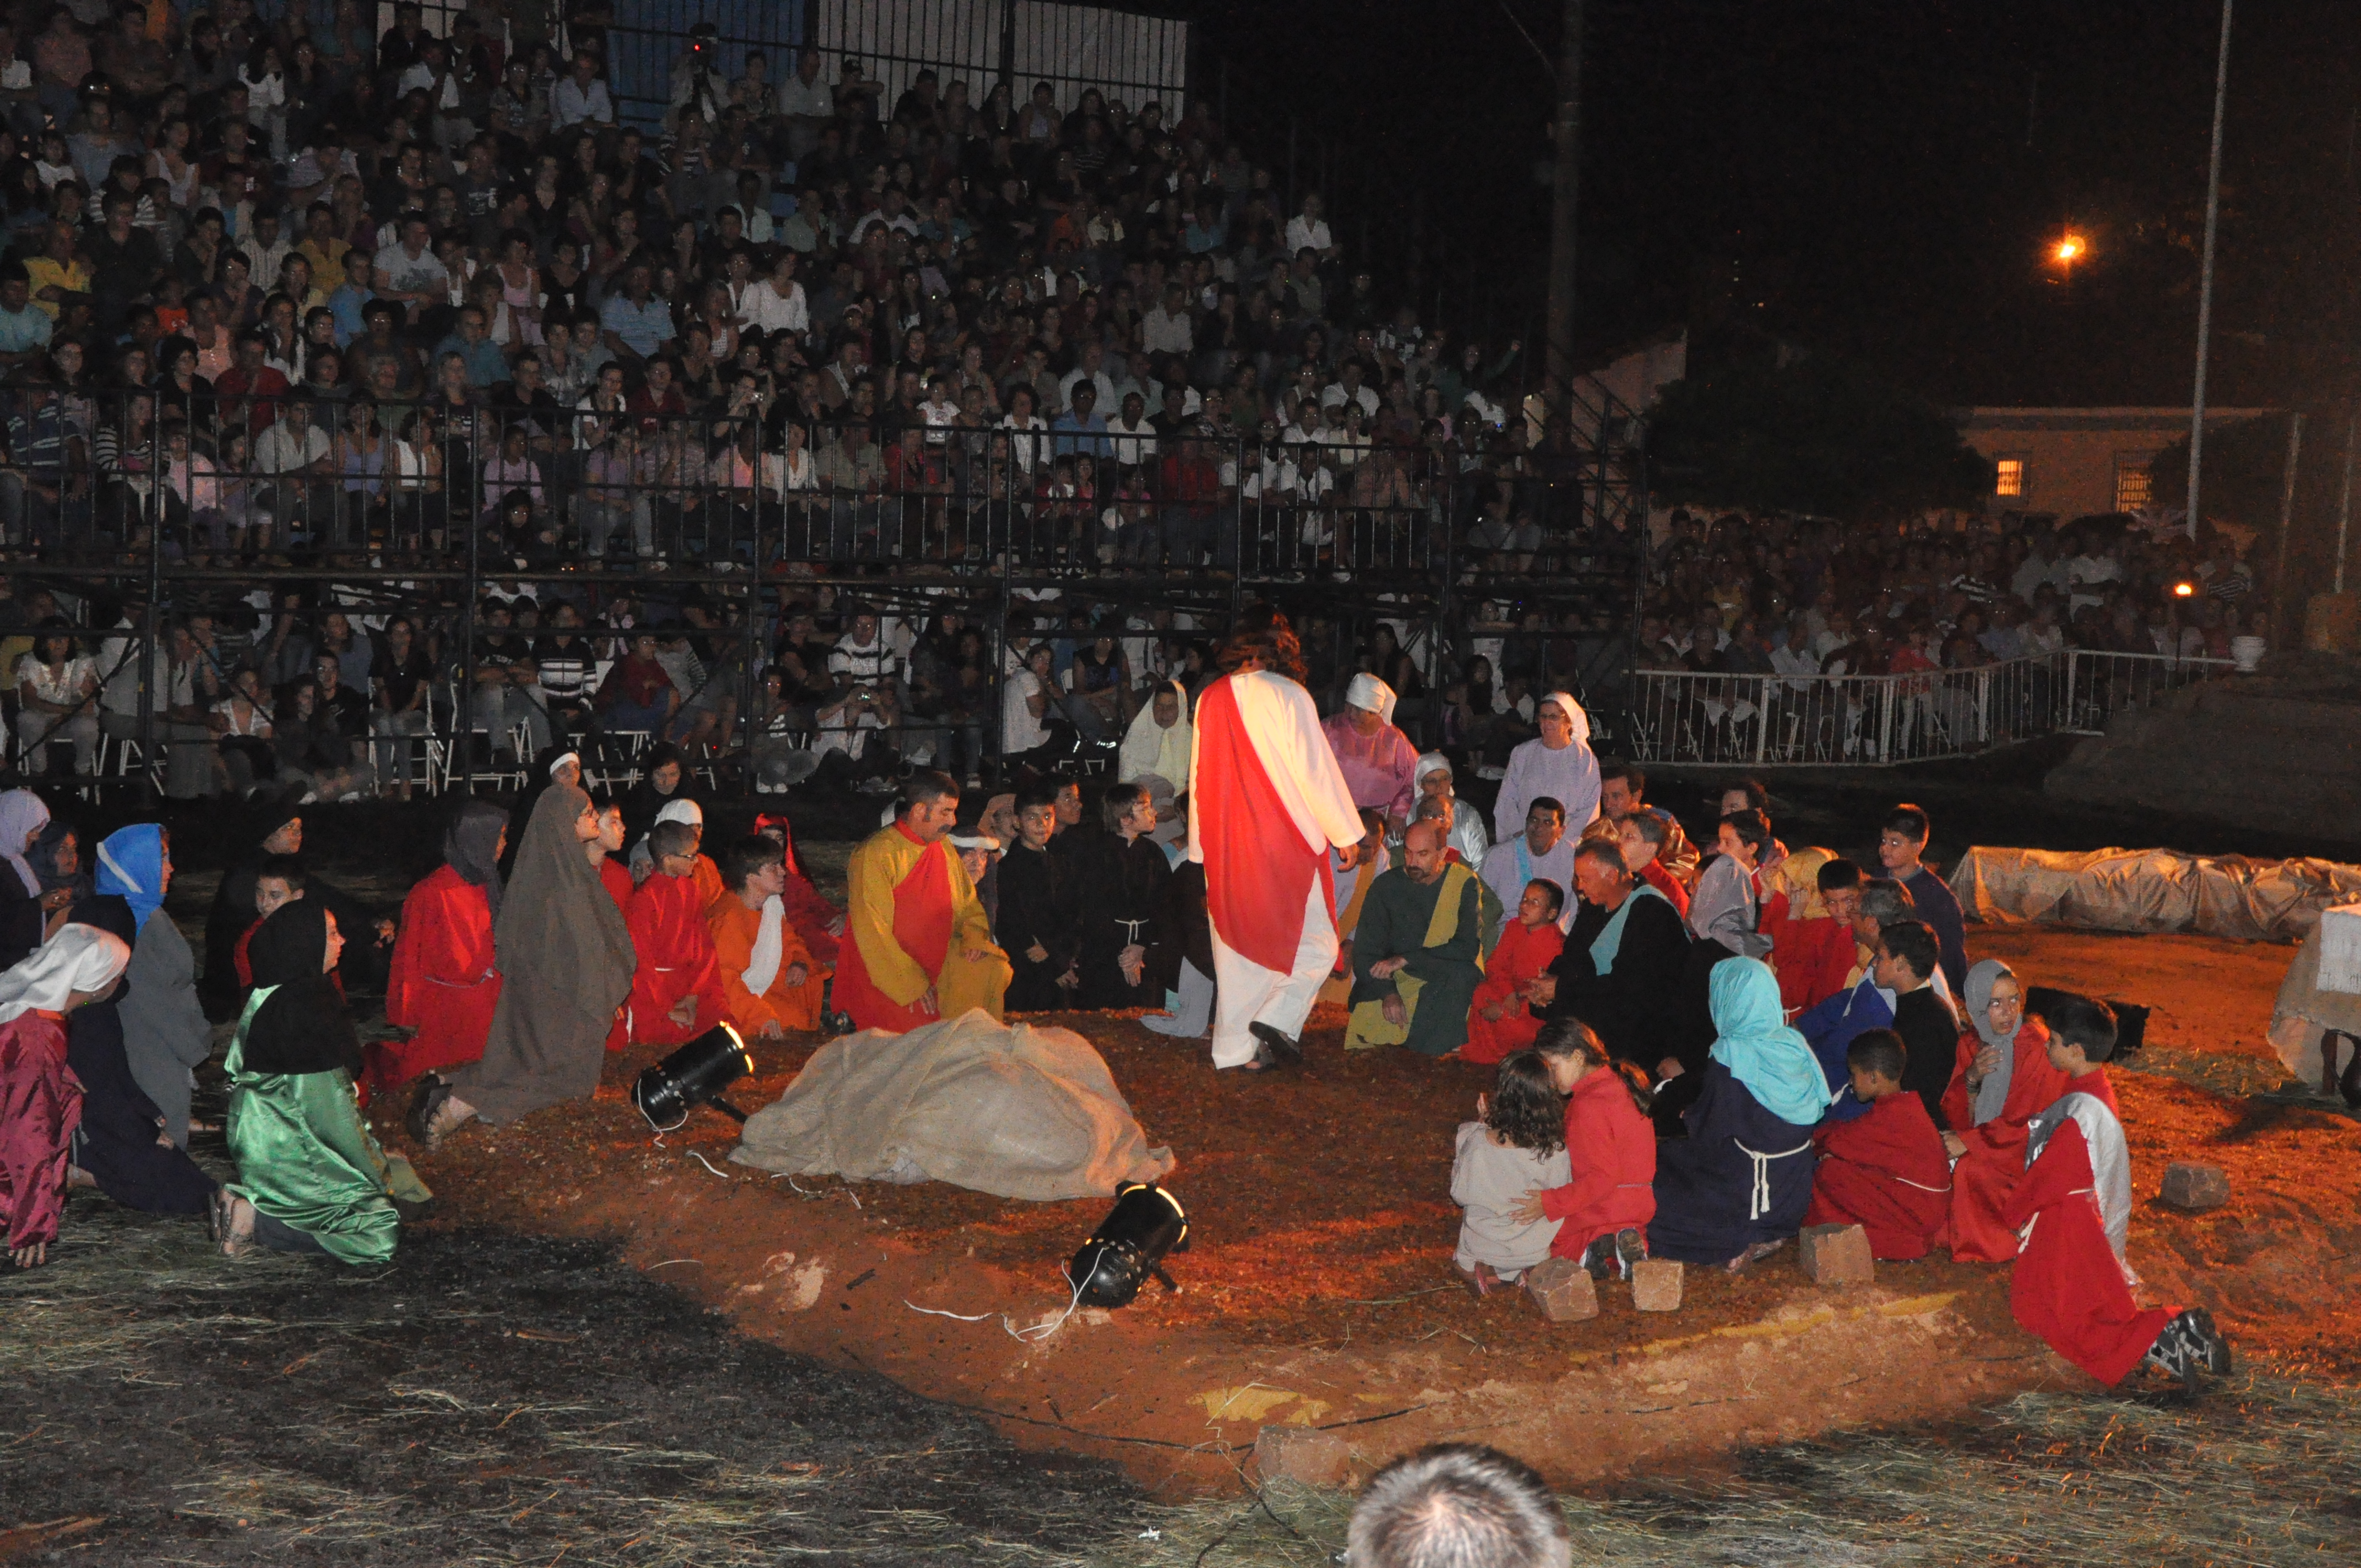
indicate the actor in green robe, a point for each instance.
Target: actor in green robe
{"x":1418,"y":955}
{"x":310,"y":1175}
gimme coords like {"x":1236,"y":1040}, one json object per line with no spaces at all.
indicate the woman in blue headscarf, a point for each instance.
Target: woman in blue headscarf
{"x":165,"y":1036}
{"x":1736,"y":1188}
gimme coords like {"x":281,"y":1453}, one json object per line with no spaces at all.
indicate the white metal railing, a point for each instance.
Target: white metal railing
{"x":1680,"y":717}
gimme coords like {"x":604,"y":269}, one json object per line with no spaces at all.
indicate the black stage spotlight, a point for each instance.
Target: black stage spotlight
{"x":692,"y":1076}
{"x":1129,"y":1244}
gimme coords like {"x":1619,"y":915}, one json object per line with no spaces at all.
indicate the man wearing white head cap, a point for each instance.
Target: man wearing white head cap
{"x":1267,"y":800}
{"x":1558,"y":764}
{"x":1378,"y":760}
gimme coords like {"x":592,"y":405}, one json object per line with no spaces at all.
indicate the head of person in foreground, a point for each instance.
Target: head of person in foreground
{"x":1457,"y":1505}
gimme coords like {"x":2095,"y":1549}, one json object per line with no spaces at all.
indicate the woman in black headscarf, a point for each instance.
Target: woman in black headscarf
{"x":666,"y":781}
{"x":310,"y":1176}
{"x":565,"y":962}
{"x":124,"y":1143}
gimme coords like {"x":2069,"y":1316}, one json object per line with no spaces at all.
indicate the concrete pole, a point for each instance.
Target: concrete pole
{"x":1559,"y":361}
{"x":2206,"y":281}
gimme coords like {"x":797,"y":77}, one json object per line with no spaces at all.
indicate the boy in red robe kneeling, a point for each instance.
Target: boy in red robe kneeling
{"x":2070,"y":1286}
{"x":770,"y":977}
{"x":1886,"y":1171}
{"x":1498,"y":1021}
{"x":677,"y":992}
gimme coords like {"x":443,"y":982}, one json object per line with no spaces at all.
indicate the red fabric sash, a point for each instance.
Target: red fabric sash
{"x":922,"y":906}
{"x":1259,"y":874}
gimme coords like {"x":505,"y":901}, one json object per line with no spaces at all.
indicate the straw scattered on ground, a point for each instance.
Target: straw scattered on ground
{"x":485,"y":1399}
{"x":2259,"y":1473}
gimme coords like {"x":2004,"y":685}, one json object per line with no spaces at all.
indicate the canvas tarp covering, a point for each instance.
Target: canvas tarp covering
{"x":1003,"y":1108}
{"x":2152,"y":889}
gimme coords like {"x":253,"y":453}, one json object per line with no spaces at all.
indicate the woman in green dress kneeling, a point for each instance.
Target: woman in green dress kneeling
{"x":310,"y":1176}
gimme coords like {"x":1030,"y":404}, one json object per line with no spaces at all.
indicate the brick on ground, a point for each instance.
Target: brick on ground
{"x":1656,"y":1285}
{"x":1837,"y":1255}
{"x":1561,"y":1290}
{"x":2187,"y":1185}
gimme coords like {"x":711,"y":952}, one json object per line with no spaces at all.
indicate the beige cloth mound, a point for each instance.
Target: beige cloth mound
{"x":2152,"y":889}
{"x":2304,"y":1012}
{"x":1003,"y":1108}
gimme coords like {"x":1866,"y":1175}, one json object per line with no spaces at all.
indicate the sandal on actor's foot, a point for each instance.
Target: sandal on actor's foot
{"x":217,"y":1213}
{"x":450,"y":1114}
{"x":428,"y":1099}
{"x":1752,"y":1256}
{"x":1479,"y":1279}
{"x":237,"y":1228}
{"x":1276,"y":1047}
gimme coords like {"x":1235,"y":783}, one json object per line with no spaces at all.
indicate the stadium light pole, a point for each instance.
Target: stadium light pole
{"x":2206,"y":281}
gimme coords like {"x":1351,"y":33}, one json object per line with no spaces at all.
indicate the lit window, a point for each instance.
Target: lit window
{"x":2010,"y":481}
{"x":2133,"y":489}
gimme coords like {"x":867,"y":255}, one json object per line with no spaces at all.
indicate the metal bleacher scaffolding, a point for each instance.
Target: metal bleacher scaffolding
{"x":1006,"y":528}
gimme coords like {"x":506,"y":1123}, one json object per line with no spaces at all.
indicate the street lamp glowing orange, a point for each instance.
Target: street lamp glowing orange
{"x":2069,"y":249}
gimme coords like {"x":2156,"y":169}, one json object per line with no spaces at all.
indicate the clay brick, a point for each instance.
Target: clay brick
{"x":2195,"y":1187}
{"x":1656,"y":1285}
{"x":1299,"y":1453}
{"x":1561,"y":1290}
{"x":1837,"y":1255}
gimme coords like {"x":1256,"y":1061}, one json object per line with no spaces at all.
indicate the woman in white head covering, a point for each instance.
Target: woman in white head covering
{"x":1558,"y":763}
{"x":40,"y":1103}
{"x":23,"y":815}
{"x":1160,"y":739}
{"x":1467,"y":835}
{"x":1375,"y":758}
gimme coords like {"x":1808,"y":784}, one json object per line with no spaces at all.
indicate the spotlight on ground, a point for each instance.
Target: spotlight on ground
{"x":692,"y":1076}
{"x":1129,"y":1246}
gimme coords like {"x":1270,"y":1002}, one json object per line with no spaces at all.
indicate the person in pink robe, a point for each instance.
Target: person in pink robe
{"x":1378,"y":764}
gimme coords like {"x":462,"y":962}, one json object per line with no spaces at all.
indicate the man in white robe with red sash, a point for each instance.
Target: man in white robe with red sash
{"x":1266,"y":802}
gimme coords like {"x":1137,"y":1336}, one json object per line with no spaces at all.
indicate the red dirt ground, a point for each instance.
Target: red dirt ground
{"x":1317,"y":1293}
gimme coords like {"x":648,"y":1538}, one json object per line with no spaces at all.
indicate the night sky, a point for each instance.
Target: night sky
{"x":1874,"y":178}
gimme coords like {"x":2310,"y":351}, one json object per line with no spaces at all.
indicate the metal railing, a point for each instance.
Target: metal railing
{"x":200,"y":521}
{"x":1716,"y":719}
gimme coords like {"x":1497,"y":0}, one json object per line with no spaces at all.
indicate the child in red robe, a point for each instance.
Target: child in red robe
{"x":817,"y":922}
{"x":676,"y":991}
{"x":2070,"y":1286}
{"x":2000,"y":1080}
{"x":444,"y":983}
{"x":1605,"y":1207}
{"x":279,"y":879}
{"x":1498,"y":1021}
{"x":1814,"y":953}
{"x":1885,"y":1171}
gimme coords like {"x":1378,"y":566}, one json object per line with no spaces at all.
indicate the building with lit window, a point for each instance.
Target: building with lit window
{"x":2071,"y":463}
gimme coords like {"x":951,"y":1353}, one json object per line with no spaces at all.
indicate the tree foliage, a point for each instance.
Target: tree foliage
{"x":1810,"y":435}
{"x":2246,"y":468}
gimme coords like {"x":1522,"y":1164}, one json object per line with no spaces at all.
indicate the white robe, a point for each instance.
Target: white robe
{"x":1150,"y":748}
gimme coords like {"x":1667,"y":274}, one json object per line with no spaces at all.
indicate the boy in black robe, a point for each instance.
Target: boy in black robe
{"x":1034,"y":923}
{"x":1130,"y":951}
{"x":1908,"y":954}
